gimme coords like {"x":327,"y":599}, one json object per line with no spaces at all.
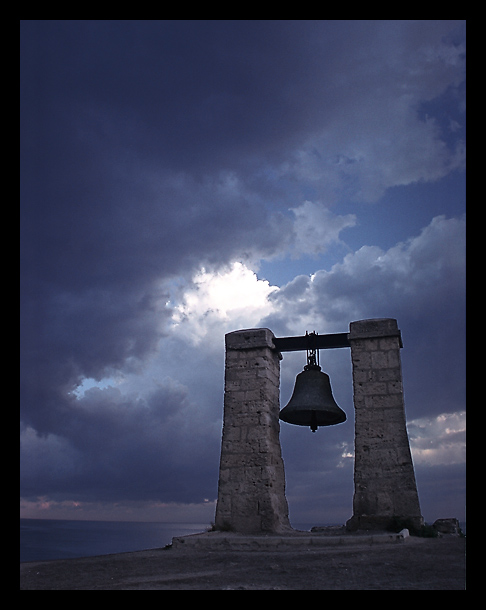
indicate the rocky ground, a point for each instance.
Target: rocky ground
{"x":417,"y":563}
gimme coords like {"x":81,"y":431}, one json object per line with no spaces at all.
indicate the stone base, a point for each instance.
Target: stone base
{"x":387,"y":523}
{"x":297,"y":540}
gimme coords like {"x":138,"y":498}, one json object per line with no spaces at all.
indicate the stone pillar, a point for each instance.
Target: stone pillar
{"x":384,"y":478}
{"x":251,"y":489}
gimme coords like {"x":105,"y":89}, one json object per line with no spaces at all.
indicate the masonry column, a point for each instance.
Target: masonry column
{"x":384,"y":478}
{"x":251,"y":489}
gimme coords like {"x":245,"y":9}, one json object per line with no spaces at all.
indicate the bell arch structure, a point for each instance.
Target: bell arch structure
{"x":251,"y":487}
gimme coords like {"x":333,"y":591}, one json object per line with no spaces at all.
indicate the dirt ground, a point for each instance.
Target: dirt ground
{"x":417,"y":563}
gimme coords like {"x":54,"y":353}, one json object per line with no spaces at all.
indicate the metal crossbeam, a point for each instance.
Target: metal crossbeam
{"x":311,"y":341}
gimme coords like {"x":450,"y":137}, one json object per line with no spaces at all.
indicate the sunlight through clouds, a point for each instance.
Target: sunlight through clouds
{"x":235,"y":298}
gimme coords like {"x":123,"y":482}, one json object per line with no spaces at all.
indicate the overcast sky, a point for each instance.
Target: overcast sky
{"x":184,"y":179}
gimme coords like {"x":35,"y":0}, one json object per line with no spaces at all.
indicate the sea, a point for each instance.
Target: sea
{"x":48,"y":539}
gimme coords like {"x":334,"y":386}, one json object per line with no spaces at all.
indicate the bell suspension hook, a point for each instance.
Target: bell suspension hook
{"x":312,"y":352}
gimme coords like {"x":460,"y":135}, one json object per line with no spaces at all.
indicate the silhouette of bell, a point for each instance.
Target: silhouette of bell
{"x":312,"y":403}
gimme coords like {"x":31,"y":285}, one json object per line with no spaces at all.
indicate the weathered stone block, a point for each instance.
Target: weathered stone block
{"x":388,"y":374}
{"x":447,"y":526}
{"x":384,"y":401}
{"x":374,"y":328}
{"x":249,"y":339}
{"x":370,"y":388}
{"x":383,"y":470}
{"x":251,"y":490}
{"x":379,"y":360}
{"x":394,"y":387}
{"x":393,"y":358}
{"x":361,"y":360}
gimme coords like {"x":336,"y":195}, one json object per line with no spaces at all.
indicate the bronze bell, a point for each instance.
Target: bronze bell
{"x":312,"y":403}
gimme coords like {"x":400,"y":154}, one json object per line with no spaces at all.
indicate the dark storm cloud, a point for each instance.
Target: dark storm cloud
{"x":115,"y":117}
{"x":117,"y":447}
{"x":126,"y":127}
{"x":152,"y":148}
{"x":185,"y":92}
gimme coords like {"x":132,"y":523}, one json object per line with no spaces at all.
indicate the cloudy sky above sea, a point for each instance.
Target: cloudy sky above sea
{"x":184,"y":179}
